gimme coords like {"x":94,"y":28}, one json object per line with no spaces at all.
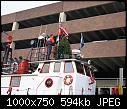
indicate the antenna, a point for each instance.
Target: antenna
{"x":40,"y":30}
{"x":60,"y":23}
{"x":46,"y":28}
{"x":44,"y":37}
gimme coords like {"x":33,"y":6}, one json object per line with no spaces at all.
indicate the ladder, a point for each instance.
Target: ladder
{"x":7,"y":54}
{"x":7,"y":48}
{"x":38,"y":53}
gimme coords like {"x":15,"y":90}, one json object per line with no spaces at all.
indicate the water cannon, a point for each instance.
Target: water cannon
{"x":76,"y":53}
{"x":94,"y":69}
{"x":89,"y":62}
{"x":32,"y":42}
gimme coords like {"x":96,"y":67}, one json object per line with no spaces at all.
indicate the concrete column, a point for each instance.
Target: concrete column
{"x":15,"y":26}
{"x":62,"y":17}
{"x":110,"y":90}
{"x":99,"y":90}
{"x":121,"y":76}
{"x":120,"y":81}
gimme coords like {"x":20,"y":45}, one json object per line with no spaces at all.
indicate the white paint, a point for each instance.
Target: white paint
{"x":35,"y":82}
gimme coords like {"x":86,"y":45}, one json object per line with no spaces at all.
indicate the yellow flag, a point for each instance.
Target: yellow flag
{"x":120,"y":90}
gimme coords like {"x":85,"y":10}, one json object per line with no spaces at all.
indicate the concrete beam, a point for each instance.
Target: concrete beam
{"x":39,"y":11}
{"x":114,"y":48}
{"x":50,"y":9}
{"x":69,"y":5}
{"x":9,"y":18}
{"x":87,"y":24}
{"x":108,"y":83}
{"x":33,"y":32}
{"x":107,"y":21}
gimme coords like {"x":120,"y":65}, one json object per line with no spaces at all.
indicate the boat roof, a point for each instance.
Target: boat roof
{"x":63,"y":60}
{"x":60,"y":60}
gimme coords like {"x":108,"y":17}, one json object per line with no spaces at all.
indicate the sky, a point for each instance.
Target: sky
{"x":8,"y":7}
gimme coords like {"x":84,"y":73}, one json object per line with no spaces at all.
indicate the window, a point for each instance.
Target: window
{"x":45,"y":68}
{"x":32,"y":67}
{"x":104,"y":91}
{"x":57,"y":67}
{"x":68,"y":67}
{"x":87,"y":69}
{"x":96,"y":93}
{"x":79,"y":67}
{"x":15,"y":81}
{"x":124,"y":90}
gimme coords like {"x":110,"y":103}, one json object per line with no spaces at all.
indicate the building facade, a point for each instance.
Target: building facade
{"x":102,"y":24}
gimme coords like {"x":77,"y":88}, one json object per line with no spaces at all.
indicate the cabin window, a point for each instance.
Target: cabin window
{"x":57,"y":67}
{"x":32,"y":67}
{"x":45,"y":68}
{"x":68,"y":68}
{"x":87,"y":69}
{"x":15,"y":81}
{"x":79,"y":67}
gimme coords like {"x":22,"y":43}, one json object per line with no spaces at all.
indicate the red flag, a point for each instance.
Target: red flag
{"x":59,"y":32}
{"x":64,"y":31}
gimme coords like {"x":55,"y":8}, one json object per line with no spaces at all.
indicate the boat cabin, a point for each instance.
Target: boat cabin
{"x":51,"y":77}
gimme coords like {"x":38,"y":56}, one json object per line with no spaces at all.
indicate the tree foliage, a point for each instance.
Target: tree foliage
{"x":63,"y":49}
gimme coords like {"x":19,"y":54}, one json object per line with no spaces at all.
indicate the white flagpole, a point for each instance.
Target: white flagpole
{"x":58,"y":31}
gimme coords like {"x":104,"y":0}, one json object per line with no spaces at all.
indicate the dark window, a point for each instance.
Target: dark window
{"x":45,"y":68}
{"x":15,"y":81}
{"x":68,"y":67}
{"x":57,"y":67}
{"x":105,"y":91}
{"x":92,"y":74}
{"x":32,"y":67}
{"x":87,"y":69}
{"x":79,"y":67}
{"x":124,"y":90}
{"x":96,"y":93}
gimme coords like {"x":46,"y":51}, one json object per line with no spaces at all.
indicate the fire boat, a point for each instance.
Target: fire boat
{"x":63,"y":75}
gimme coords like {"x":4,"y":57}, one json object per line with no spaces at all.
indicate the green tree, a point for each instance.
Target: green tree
{"x":63,"y":49}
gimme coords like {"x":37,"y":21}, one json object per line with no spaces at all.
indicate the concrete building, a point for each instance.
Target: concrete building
{"x":102,"y":24}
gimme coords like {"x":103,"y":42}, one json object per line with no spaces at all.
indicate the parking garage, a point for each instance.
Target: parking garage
{"x":101,"y":23}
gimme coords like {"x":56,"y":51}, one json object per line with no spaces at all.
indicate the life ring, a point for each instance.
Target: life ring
{"x":68,"y":79}
{"x":48,"y":82}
